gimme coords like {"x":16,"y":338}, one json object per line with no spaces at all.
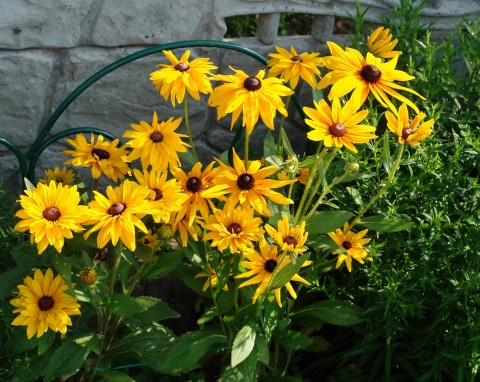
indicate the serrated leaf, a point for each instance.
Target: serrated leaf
{"x":337,"y":312}
{"x":285,"y":274}
{"x":269,"y":147}
{"x":383,"y":223}
{"x":291,"y":339}
{"x":90,"y":341}
{"x":243,"y":344}
{"x":154,"y":310}
{"x":286,"y":143}
{"x":323,"y":222}
{"x":66,"y":360}
{"x":45,"y":342}
{"x":275,"y":161}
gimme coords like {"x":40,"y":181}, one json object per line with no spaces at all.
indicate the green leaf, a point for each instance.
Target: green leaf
{"x":187,"y":158}
{"x":10,"y":279}
{"x":386,"y":158}
{"x":122,"y":305}
{"x":115,"y":376}
{"x":285,"y":274}
{"x":154,"y":310}
{"x":269,"y":147}
{"x":323,"y":222}
{"x":66,"y":360}
{"x":166,"y":262}
{"x":286,"y":143}
{"x":336,"y":312}
{"x":208,"y":316}
{"x":291,"y":339}
{"x":383,"y":223}
{"x":45,"y":342}
{"x":189,"y":349}
{"x":63,"y":267}
{"x":275,"y":161}
{"x":90,"y":341}
{"x":317,"y":94}
{"x":243,"y":344}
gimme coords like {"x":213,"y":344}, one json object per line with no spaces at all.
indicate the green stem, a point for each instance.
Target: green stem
{"x":311,"y":176}
{"x":282,"y":122}
{"x":247,"y":138}
{"x":116,"y":262}
{"x":387,"y":184}
{"x":187,"y":126}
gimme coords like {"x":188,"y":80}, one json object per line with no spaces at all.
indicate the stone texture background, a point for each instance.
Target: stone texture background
{"x":49,"y":47}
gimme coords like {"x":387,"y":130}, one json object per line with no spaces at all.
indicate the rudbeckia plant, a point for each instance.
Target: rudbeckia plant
{"x":253,"y":234}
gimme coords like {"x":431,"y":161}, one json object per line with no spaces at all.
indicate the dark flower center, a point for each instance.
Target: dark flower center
{"x":252,"y":83}
{"x":245,"y":182}
{"x":297,"y":58}
{"x":51,"y":213}
{"x":406,"y":132}
{"x":194,"y":184}
{"x":116,"y":209}
{"x":338,"y":130}
{"x":371,"y":73}
{"x":158,"y":194}
{"x":45,"y":303}
{"x":346,"y":245}
{"x":270,"y":265}
{"x":156,"y":136}
{"x":101,"y":154}
{"x":146,"y":241}
{"x":182,"y":67}
{"x":290,"y":240}
{"x":234,"y":228}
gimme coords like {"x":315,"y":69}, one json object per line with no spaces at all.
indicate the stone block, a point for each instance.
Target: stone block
{"x":43,"y":23}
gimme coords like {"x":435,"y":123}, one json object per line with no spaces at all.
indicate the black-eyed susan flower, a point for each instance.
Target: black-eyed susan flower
{"x":199,"y":187}
{"x":288,"y":238}
{"x":411,"y":132}
{"x":102,"y":156}
{"x":291,"y":66}
{"x":233,"y":228}
{"x":261,"y":266}
{"x":116,"y":215}
{"x":352,"y":245}
{"x":380,"y":43}
{"x":150,"y":240}
{"x":167,"y":194}
{"x":157,"y":144}
{"x":183,"y":75}
{"x":251,"y":186}
{"x":338,"y":126}
{"x":257,"y":97}
{"x":301,"y":175}
{"x":181,"y":223}
{"x":50,"y":213}
{"x":63,"y":176}
{"x":42,"y":304}
{"x":212,"y":279}
{"x":351,"y":71}
{"x":88,"y":276}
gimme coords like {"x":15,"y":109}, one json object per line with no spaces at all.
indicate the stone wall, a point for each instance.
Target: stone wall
{"x":49,"y":47}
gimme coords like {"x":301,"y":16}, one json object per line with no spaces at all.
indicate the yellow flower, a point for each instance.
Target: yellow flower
{"x":186,"y":227}
{"x":212,"y":280}
{"x":199,"y":187}
{"x":337,"y":126}
{"x":255,"y":96}
{"x":167,"y":195}
{"x":117,"y":215}
{"x":63,"y":176}
{"x":290,"y":239}
{"x":181,"y":75}
{"x":302,"y":175}
{"x":233,"y":228}
{"x":150,"y":240}
{"x":102,"y":157}
{"x":50,"y":213}
{"x":156,"y":144}
{"x":409,"y":132}
{"x":291,"y":66}
{"x":88,"y":276}
{"x":381,"y":45}
{"x":251,"y":187}
{"x":351,"y":244}
{"x":351,"y":71}
{"x":42,"y":304}
{"x":261,"y":266}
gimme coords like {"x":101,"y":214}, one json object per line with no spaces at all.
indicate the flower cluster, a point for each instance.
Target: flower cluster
{"x":253,"y":216}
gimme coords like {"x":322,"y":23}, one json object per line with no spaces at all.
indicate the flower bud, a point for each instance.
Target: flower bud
{"x":88,"y":276}
{"x":352,"y":167}
{"x":290,"y":166}
{"x":166,"y":232}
